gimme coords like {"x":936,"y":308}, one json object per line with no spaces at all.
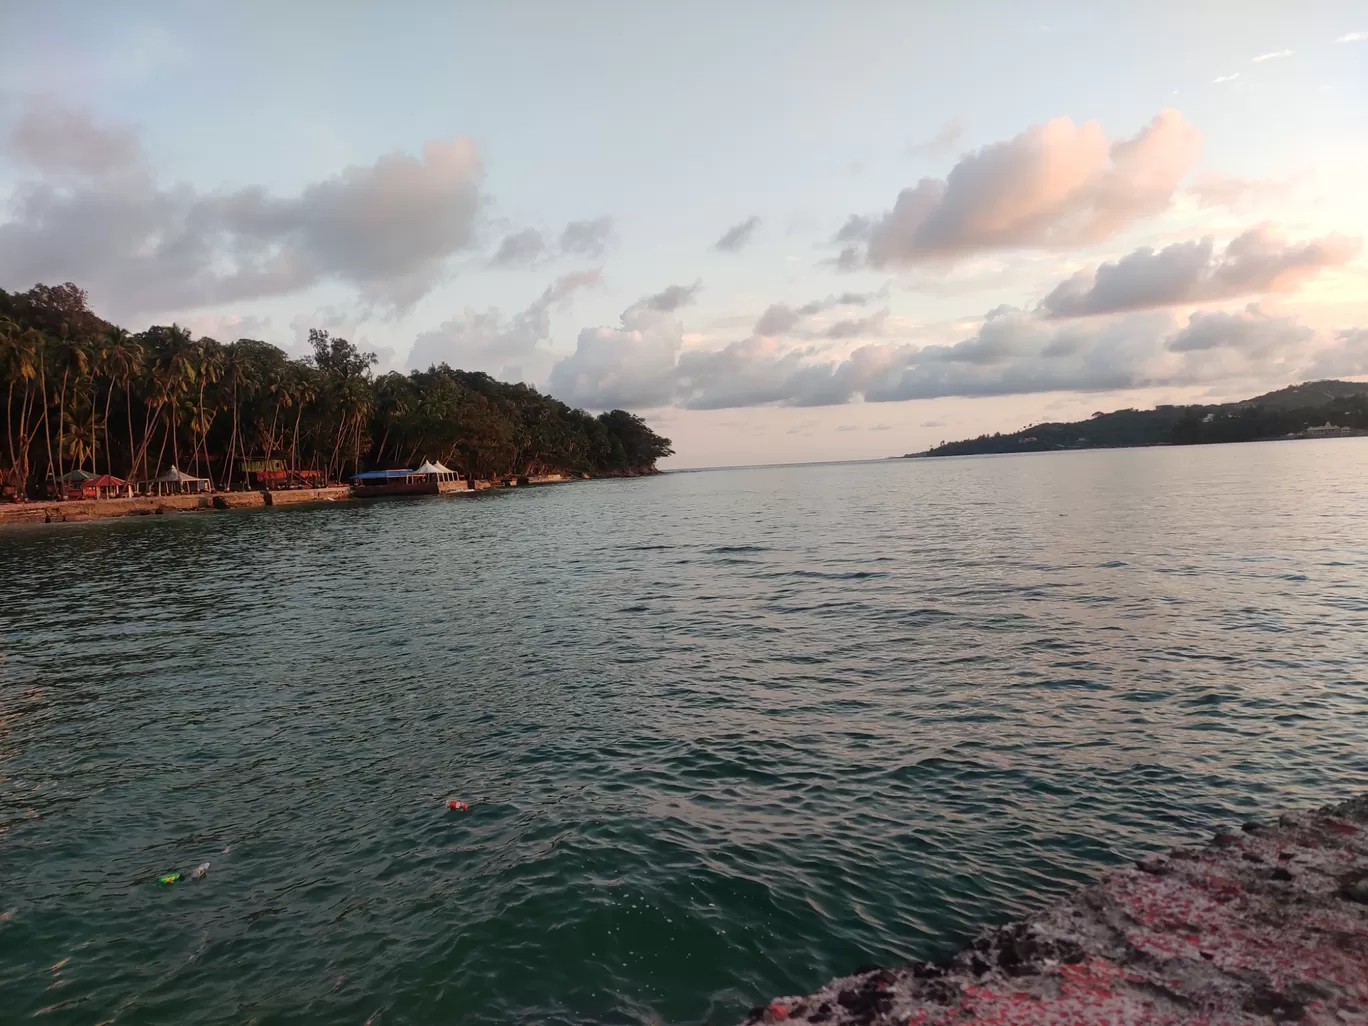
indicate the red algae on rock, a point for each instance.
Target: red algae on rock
{"x":1269,"y":925}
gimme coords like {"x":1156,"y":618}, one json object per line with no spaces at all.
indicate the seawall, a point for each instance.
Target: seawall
{"x":1267,"y":924}
{"x":44,"y":512}
{"x":74,"y":510}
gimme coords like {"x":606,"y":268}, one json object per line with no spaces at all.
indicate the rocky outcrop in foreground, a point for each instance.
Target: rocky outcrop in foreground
{"x":1267,"y":925}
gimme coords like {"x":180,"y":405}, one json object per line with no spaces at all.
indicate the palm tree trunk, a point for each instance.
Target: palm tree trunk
{"x":9,"y":429}
{"x":128,"y":401}
{"x":232,"y":446}
{"x":61,"y":433}
{"x":294,"y":445}
{"x":167,"y":434}
{"x":47,"y":427}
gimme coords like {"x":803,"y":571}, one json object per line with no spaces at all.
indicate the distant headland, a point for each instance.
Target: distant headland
{"x":94,"y":414}
{"x":1315,"y":409}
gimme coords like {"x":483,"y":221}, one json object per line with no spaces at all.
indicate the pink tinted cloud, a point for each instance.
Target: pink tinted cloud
{"x":1055,"y":185}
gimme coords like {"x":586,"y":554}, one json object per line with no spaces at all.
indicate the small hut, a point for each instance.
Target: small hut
{"x":68,"y":486}
{"x":177,"y":482}
{"x":106,"y":486}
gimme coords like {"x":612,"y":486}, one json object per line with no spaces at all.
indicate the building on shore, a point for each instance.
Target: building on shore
{"x":1327,"y":430}
{"x":428,"y":479}
{"x":177,"y":482}
{"x":82,"y":484}
{"x":436,"y":472}
{"x":273,"y":475}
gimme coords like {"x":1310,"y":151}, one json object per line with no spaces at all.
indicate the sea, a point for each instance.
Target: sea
{"x":722,"y":735}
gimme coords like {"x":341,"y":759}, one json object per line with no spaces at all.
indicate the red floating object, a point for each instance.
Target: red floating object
{"x":459,"y":806}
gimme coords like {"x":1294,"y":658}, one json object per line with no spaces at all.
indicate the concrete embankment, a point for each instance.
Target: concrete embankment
{"x":1267,"y":924}
{"x":107,"y":509}
{"x":151,"y":505}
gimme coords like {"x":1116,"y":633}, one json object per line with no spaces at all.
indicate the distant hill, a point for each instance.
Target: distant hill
{"x":1288,"y":412}
{"x":1310,"y":394}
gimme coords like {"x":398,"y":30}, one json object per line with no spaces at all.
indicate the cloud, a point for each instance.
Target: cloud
{"x":1013,"y":352}
{"x":1270,"y":56}
{"x":1352,"y":37}
{"x":1214,"y":190}
{"x":386,"y":229}
{"x":1249,"y":330}
{"x":776,"y":320}
{"x":56,"y":140}
{"x":1346,"y":357}
{"x":1219,"y":79}
{"x":671,"y":298}
{"x":779,"y":318}
{"x":519,"y":248}
{"x":738,"y":236}
{"x":228,"y":327}
{"x":857,"y":327}
{"x":1260,"y":260}
{"x":632,"y":366}
{"x":1054,"y":185}
{"x":943,"y":142}
{"x":586,"y":238}
{"x":481,"y":340}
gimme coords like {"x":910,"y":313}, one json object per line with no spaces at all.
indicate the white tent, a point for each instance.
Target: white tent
{"x":175,"y":481}
{"x":437,"y":470}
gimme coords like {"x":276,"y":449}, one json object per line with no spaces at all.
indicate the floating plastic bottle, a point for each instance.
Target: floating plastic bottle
{"x":167,"y":879}
{"x":200,"y":870}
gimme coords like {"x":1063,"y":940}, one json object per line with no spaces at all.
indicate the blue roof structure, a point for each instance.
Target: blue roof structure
{"x":381,"y":475}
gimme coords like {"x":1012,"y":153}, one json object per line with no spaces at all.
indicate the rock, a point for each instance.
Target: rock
{"x":1205,"y":935}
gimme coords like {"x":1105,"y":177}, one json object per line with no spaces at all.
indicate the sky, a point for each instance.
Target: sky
{"x":779,"y":231}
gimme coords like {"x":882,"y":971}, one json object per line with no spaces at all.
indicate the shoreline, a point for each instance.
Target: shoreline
{"x":1268,"y":924}
{"x":66,"y":511}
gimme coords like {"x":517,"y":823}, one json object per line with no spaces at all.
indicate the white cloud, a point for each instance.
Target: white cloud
{"x":1352,"y":37}
{"x":483,"y":341}
{"x":1225,"y":78}
{"x":1053,"y":186}
{"x":96,"y":214}
{"x":1270,"y":56}
{"x":1259,"y":260}
{"x":1013,"y":352}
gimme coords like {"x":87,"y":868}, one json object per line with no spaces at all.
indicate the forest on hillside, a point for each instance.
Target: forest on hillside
{"x":1287,"y":412}
{"x":84,"y":394}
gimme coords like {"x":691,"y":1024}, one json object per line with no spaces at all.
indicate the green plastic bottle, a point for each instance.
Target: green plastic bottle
{"x":169,"y":879}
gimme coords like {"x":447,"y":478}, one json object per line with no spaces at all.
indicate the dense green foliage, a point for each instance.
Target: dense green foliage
{"x":81,"y":393}
{"x":1289,"y":411}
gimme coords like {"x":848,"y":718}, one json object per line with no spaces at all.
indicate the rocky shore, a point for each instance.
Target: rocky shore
{"x":1267,"y":924}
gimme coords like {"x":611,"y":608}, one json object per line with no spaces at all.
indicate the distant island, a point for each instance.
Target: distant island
{"x":1315,"y":409}
{"x":90,"y":408}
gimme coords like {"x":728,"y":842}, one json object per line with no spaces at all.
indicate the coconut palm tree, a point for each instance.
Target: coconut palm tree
{"x":72,"y":357}
{"x":302,"y":389}
{"x":124,"y":358}
{"x":208,"y":368}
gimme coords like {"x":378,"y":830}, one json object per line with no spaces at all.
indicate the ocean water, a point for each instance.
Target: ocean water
{"x":722,"y":734}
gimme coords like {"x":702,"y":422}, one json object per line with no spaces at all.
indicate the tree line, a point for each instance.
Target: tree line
{"x":84,"y":394}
